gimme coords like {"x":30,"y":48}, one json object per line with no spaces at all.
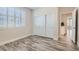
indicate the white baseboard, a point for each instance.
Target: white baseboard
{"x":14,"y":39}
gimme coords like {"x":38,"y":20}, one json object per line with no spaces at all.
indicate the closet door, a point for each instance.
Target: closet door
{"x":74,"y":25}
{"x":51,"y":26}
{"x":39,"y":25}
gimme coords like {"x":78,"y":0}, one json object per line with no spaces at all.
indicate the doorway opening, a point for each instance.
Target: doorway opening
{"x":69,"y":32}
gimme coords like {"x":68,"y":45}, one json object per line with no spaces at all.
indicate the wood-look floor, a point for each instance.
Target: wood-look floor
{"x":37,"y":43}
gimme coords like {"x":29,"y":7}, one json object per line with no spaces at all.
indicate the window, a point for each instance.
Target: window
{"x":18,"y":17}
{"x":11,"y":22}
{"x":11,"y":17}
{"x":3,"y":17}
{"x":18,"y":22}
{"x":23,"y":17}
{"x":3,"y":11}
{"x":10,"y":11}
{"x":18,"y":12}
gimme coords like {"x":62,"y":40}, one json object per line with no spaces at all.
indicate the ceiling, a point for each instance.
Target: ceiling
{"x":33,"y":8}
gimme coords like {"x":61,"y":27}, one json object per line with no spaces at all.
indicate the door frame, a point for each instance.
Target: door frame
{"x":76,"y":27}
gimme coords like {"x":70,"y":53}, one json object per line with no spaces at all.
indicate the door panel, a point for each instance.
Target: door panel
{"x":73,"y":25}
{"x":39,"y":25}
{"x":69,"y":27}
{"x":51,"y":26}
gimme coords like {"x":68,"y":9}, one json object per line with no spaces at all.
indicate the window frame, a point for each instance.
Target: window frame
{"x":14,"y":16}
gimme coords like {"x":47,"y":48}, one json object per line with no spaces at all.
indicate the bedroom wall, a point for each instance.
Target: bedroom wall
{"x":11,"y":34}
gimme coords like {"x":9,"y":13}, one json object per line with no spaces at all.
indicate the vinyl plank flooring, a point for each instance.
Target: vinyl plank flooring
{"x":38,"y":43}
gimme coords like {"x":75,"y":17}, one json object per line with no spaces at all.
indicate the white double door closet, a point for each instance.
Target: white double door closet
{"x":46,"y":25}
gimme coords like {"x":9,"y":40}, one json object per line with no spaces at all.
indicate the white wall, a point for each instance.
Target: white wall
{"x":11,"y":34}
{"x":49,"y":11}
